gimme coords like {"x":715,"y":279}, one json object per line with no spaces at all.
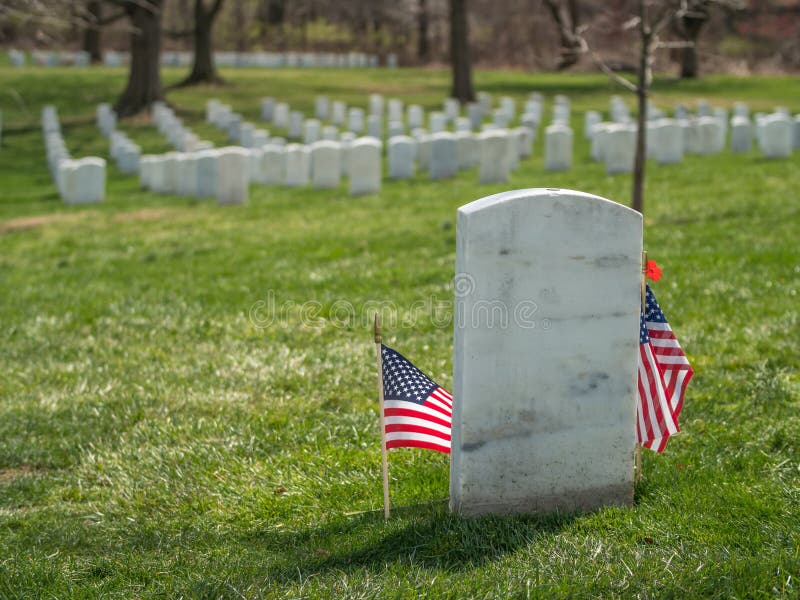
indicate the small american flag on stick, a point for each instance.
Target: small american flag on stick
{"x":417,"y":410}
{"x":664,"y":373}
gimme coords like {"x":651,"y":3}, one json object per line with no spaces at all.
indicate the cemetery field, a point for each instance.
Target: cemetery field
{"x":188,"y":403}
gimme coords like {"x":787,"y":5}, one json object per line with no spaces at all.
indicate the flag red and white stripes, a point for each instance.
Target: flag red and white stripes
{"x":664,"y":373}
{"x":417,"y":411}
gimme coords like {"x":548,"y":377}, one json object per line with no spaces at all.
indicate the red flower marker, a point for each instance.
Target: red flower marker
{"x":653,"y":271}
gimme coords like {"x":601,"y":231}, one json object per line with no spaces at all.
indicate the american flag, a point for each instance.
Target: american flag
{"x":417,"y":410}
{"x":664,"y":373}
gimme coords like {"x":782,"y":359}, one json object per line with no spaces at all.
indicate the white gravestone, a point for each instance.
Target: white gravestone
{"x":233,"y":175}
{"x":281,"y":117}
{"x":590,"y":119}
{"x":295,"y":129}
{"x":451,"y":109}
{"x":338,"y":113}
{"x":254,"y":164}
{"x":467,"y":149}
{"x":246,"y":132}
{"x":706,"y":131}
{"x":145,"y":166}
{"x":376,"y":105}
{"x":355,"y":120}
{"x":207,"y":167}
{"x":311,"y":131}
{"x":273,"y":165}
{"x":463,"y":124}
{"x":545,"y":353}
{"x":796,"y":133}
{"x":321,"y":106}
{"x":525,"y":139}
{"x":330,"y":132}
{"x":509,"y":107}
{"x":776,"y":136}
{"x":364,"y":166}
{"x":444,"y":158}
{"x":346,"y":139}
{"x":741,"y":134}
{"x":437,"y":122}
{"x":260,"y":138}
{"x":620,"y":149}
{"x":395,"y":109}
{"x":512,"y":149}
{"x":415,"y":116}
{"x":170,"y":182}
{"x":493,"y":167}
{"x":267,"y":109}
{"x":500,"y":118}
{"x":558,"y":148}
{"x":84,"y":181}
{"x":423,"y":149}
{"x":475,"y":114}
{"x":668,"y":148}
{"x":485,"y":101}
{"x":401,"y":157}
{"x":326,"y":167}
{"x":375,"y":127}
{"x":298,"y":165}
{"x":395,"y":129}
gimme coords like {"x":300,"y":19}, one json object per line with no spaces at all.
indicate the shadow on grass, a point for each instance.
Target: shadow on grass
{"x":426,"y":536}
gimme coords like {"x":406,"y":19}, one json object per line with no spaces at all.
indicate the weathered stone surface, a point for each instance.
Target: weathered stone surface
{"x":544,"y":373}
{"x":364,"y":167}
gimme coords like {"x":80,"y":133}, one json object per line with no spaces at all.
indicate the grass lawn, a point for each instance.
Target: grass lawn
{"x":159,"y":439}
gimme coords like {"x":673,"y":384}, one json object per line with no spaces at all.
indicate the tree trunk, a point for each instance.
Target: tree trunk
{"x":642,"y":90}
{"x":423,"y":20}
{"x":240,"y":23}
{"x":460,"y":58}
{"x":690,"y":27}
{"x":566,"y":18}
{"x":144,"y":77}
{"x":203,"y":69}
{"x":91,"y":35}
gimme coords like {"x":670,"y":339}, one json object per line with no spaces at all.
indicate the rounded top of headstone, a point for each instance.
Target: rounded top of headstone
{"x":91,"y":160}
{"x":493,"y":133}
{"x":367,"y":141}
{"x":545,"y":194}
{"x":326,"y":145}
{"x":234,"y":150}
{"x":443,"y":135}
{"x":400,"y":139}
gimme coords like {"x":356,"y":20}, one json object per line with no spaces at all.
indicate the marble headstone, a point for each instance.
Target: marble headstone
{"x":401,"y":157}
{"x":558,"y":148}
{"x":364,"y":166}
{"x":620,"y":148}
{"x":298,"y":165}
{"x":493,"y":166}
{"x":444,"y":158}
{"x":326,"y":168}
{"x":544,"y":372}
{"x":741,"y":134}
{"x":233,"y":175}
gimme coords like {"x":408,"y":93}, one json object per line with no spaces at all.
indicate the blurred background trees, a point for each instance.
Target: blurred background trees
{"x":763,"y":36}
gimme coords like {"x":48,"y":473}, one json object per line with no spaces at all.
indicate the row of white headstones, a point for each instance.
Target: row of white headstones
{"x":81,"y":180}
{"x":267,"y":60}
{"x":326,"y":156}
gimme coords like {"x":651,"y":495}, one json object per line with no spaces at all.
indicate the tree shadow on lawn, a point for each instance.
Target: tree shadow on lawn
{"x":426,"y":536}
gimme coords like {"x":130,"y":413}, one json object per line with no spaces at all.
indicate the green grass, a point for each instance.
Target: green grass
{"x":154,"y":442}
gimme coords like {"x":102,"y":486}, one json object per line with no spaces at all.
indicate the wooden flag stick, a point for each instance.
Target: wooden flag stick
{"x":638,"y":464}
{"x":384,"y":460}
